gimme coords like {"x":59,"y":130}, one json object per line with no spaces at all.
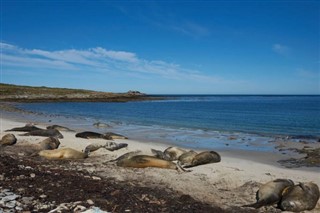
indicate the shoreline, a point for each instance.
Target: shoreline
{"x":228,"y":184}
{"x":279,"y":149}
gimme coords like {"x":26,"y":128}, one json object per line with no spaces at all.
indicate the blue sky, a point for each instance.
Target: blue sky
{"x":163,"y":47}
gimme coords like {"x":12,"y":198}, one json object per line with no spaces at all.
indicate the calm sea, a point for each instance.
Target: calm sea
{"x":201,"y":120}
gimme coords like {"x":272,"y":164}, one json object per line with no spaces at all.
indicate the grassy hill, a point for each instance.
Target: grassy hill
{"x":17,"y":93}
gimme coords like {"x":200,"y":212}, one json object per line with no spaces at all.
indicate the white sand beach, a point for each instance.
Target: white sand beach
{"x":232,"y":182}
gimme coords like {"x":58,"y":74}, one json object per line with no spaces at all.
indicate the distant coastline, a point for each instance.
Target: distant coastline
{"x":29,"y":94}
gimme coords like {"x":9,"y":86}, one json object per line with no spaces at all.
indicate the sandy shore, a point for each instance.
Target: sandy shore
{"x":232,"y":182}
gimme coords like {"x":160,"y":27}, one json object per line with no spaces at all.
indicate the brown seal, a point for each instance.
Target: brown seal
{"x":187,"y":157}
{"x":301,"y":197}
{"x":143,"y":161}
{"x":205,"y":157}
{"x":8,"y":140}
{"x":49,"y":143}
{"x":270,"y":193}
{"x":64,"y":153}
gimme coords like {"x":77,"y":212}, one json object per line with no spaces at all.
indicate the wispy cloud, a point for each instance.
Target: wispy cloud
{"x":281,"y":49}
{"x":96,"y":59}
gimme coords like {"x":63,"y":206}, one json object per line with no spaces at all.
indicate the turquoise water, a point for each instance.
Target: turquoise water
{"x":201,"y":119}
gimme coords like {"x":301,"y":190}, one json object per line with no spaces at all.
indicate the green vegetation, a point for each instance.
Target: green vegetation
{"x":18,"y":93}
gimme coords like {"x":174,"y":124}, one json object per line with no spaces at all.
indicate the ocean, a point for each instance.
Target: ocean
{"x":198,"y":121}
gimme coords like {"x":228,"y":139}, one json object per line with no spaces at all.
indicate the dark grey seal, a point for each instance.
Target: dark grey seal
{"x":45,"y":133}
{"x":26,"y":128}
{"x":60,"y":128}
{"x":88,"y":135}
{"x":301,"y":197}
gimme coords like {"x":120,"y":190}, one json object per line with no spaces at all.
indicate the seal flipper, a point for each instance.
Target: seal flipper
{"x":263,"y":202}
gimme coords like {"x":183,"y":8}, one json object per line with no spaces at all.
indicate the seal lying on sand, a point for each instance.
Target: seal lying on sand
{"x":60,"y":128}
{"x":65,"y":153}
{"x":174,"y":152}
{"x":202,"y":158}
{"x":143,"y":161}
{"x":112,"y":136}
{"x":107,"y":136}
{"x":89,"y":135}
{"x":171,"y":153}
{"x":187,"y":157}
{"x":49,"y":143}
{"x":270,"y":193}
{"x":45,"y":133}
{"x":111,"y":146}
{"x":8,"y":140}
{"x":301,"y":197}
{"x":26,"y":128}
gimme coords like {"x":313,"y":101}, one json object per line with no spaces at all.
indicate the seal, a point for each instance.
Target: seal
{"x":101,"y":125}
{"x":301,"y":197}
{"x":187,"y":157}
{"x":173,"y":153}
{"x":65,"y":153}
{"x":112,"y":136}
{"x":202,"y":158}
{"x":144,"y":161}
{"x":90,"y":135}
{"x":160,"y":154}
{"x":60,"y":128}
{"x":45,"y":133}
{"x":8,"y":140}
{"x":112,"y":146}
{"x":49,"y":144}
{"x":26,"y":128}
{"x":270,"y":193}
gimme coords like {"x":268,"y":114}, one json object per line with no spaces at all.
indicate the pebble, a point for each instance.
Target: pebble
{"x":12,"y":203}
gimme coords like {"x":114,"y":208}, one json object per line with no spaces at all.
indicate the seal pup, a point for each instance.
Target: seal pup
{"x":45,"y":133}
{"x":270,"y":193}
{"x":202,"y":158}
{"x":64,"y":153}
{"x":60,"y":128}
{"x":144,"y":161}
{"x":186,"y":158}
{"x":301,"y":197}
{"x":26,"y":128}
{"x":8,"y":140}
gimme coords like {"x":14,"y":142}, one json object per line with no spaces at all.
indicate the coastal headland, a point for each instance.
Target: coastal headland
{"x":17,"y":93}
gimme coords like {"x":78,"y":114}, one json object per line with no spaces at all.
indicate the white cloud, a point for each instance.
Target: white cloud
{"x":96,"y":60}
{"x":280,"y":49}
